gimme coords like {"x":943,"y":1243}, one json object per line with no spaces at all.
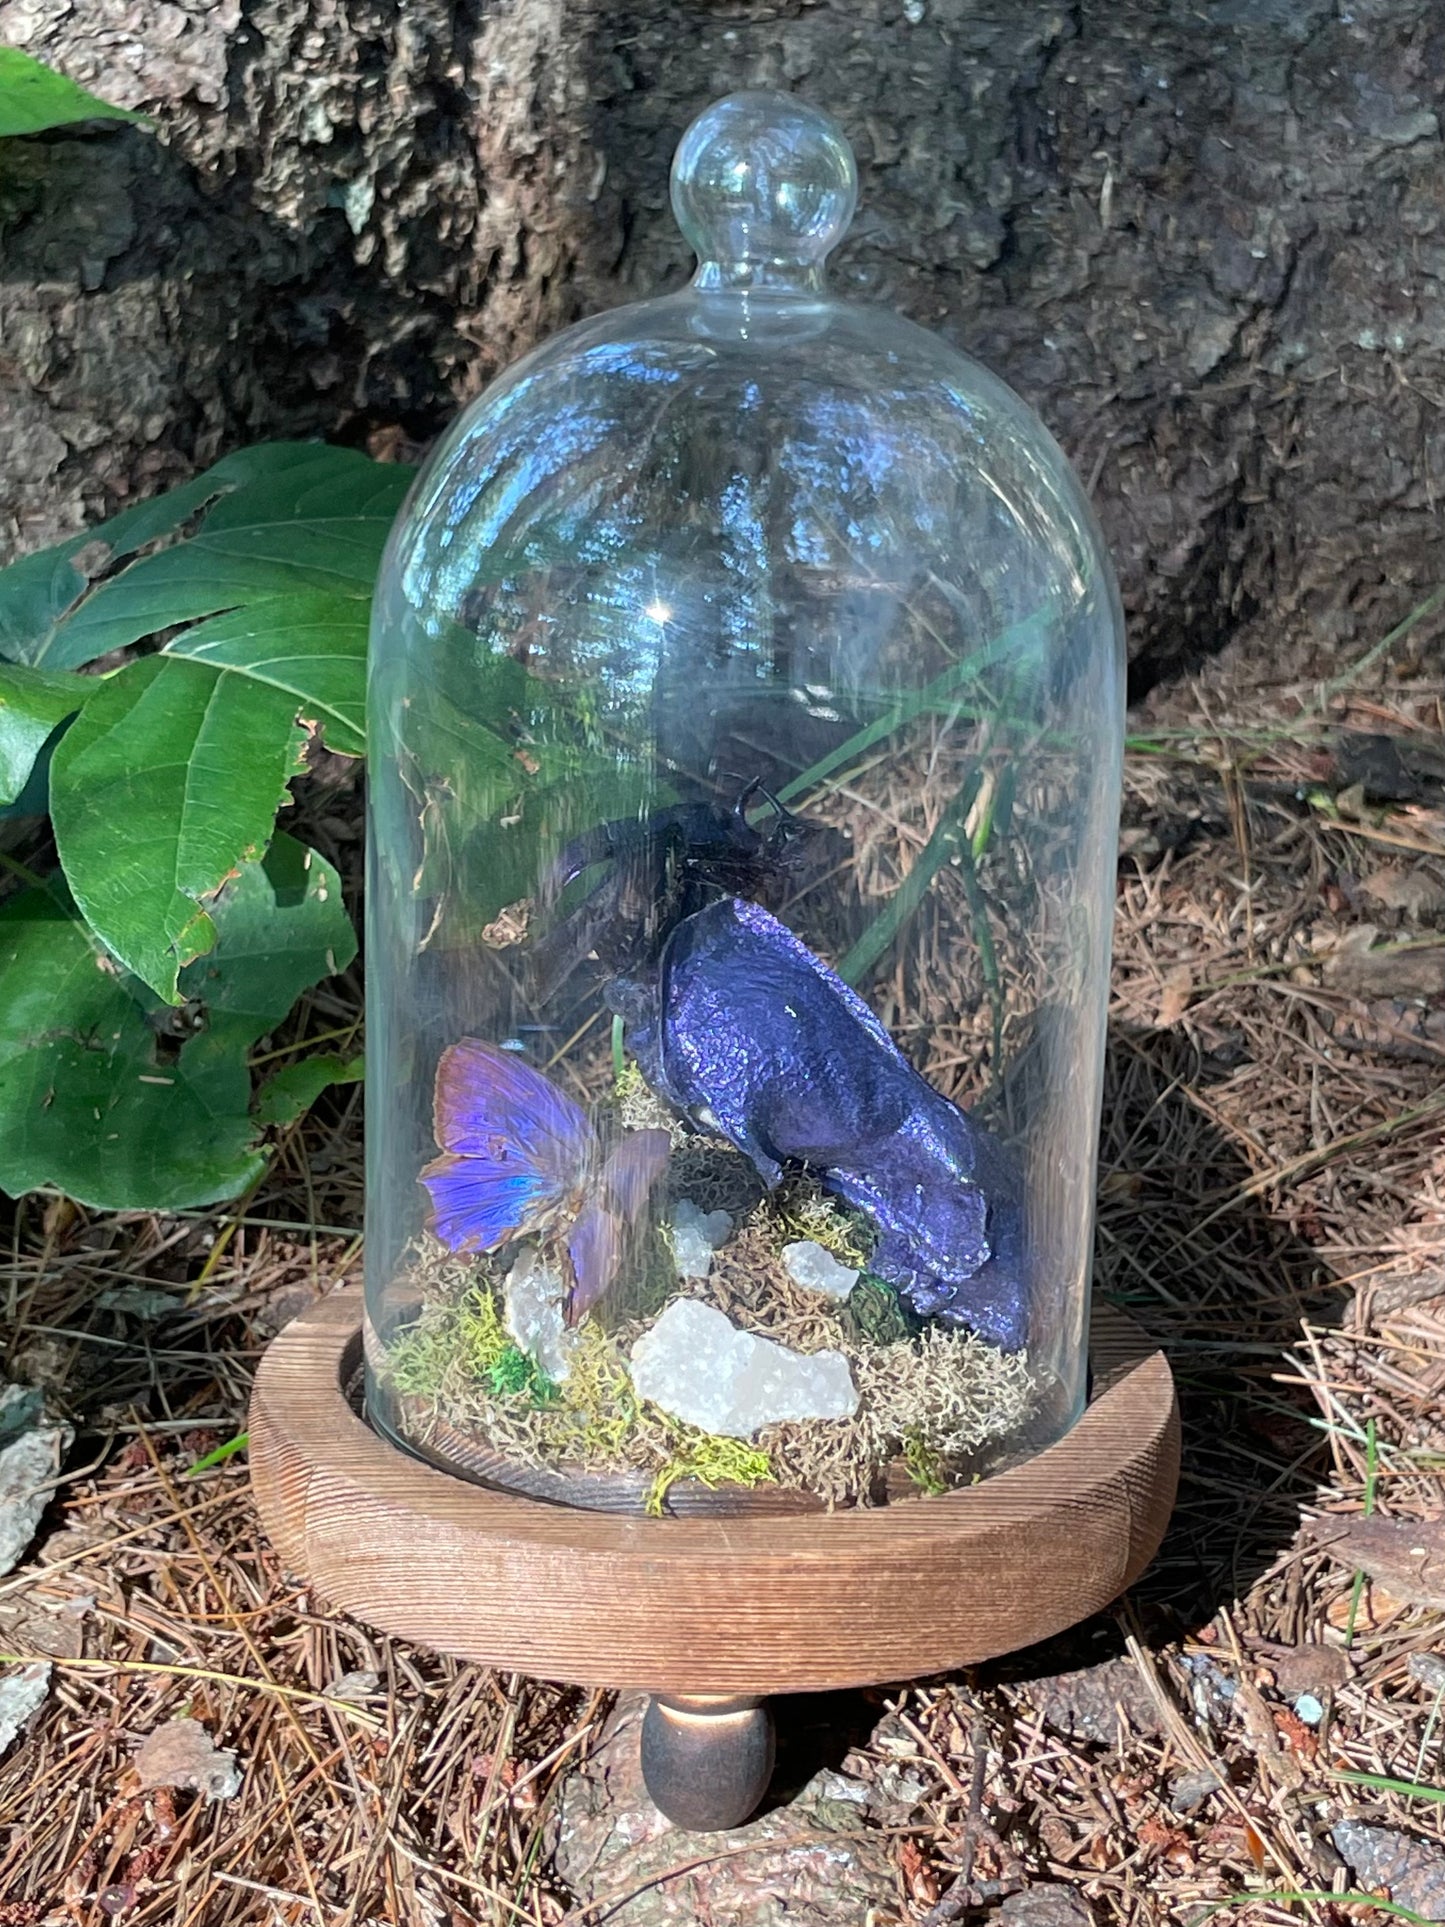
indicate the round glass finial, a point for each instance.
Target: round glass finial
{"x":764,"y":187}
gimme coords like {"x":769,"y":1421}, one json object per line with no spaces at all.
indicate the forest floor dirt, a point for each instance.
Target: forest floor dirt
{"x":1272,"y":1208}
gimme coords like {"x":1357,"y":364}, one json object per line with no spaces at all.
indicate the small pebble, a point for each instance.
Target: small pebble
{"x":1309,"y":1709}
{"x":814,"y":1267}
{"x":830,"y":1785}
{"x":1212,"y":1689}
{"x":182,"y":1754}
{"x":355,"y":1686}
{"x":22,"y":1694}
{"x":1192,"y":1789}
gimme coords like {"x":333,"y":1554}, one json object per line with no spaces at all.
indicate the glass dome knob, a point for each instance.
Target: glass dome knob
{"x":764,"y":187}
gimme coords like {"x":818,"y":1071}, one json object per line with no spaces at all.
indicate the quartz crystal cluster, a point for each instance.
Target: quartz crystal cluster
{"x":698,"y":1366}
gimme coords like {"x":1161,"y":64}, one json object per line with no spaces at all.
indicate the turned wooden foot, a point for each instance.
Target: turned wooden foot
{"x":707,"y":1759}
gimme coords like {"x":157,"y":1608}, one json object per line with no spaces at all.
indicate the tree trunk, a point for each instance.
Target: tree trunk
{"x":1207,"y":242}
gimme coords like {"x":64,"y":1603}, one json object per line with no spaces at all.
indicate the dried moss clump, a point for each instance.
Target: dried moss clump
{"x":469,"y":1337}
{"x":932,"y":1402}
{"x":946,"y":1392}
{"x":456,"y":1363}
{"x":802,"y":1209}
{"x":641,"y":1110}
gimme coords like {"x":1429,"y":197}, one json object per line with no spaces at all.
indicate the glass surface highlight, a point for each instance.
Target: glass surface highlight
{"x":746,"y":713}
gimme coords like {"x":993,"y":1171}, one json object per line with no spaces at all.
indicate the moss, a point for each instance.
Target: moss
{"x":874,"y":1313}
{"x":947,"y":1391}
{"x":640,"y":1109}
{"x":421,"y":1356}
{"x":929,"y":1398}
{"x":630,"y":1085}
{"x":512,"y":1374}
{"x":481,"y":1338}
{"x":802,"y":1210}
{"x":597,"y":1406}
{"x":458,"y":1359}
{"x":924,"y":1466}
{"x":712,"y":1461}
{"x":467,"y":1337}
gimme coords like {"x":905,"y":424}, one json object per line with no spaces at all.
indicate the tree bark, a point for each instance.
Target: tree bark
{"x":1208,"y":243}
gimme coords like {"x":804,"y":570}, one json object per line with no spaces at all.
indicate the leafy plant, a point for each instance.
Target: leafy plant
{"x":33,"y":97}
{"x":247,"y":592}
{"x":95,"y":1096}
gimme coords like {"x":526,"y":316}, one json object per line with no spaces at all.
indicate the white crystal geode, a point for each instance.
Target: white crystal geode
{"x":814,"y":1267}
{"x":535,"y":1298}
{"x":696,"y":1235}
{"x":698,"y":1366}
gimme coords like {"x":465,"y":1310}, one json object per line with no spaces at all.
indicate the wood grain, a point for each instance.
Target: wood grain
{"x":757,"y":1605}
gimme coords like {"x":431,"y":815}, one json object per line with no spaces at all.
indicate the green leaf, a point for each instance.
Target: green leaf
{"x":34,"y":97}
{"x":32,"y":704}
{"x":1382,"y":1783}
{"x":94,"y":1101}
{"x":489,"y":820}
{"x":34,"y":799}
{"x":232,"y":1446}
{"x":462,"y":775}
{"x":291,"y":1092}
{"x":281,"y":925}
{"x":274,"y":519}
{"x":311,"y":645}
{"x":167,"y":782}
{"x":39,"y":591}
{"x":293,"y":516}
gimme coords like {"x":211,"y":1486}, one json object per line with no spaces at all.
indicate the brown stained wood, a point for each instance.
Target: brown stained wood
{"x":755,"y":1605}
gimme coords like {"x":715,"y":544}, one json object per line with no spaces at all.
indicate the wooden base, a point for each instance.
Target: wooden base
{"x":709,"y":1606}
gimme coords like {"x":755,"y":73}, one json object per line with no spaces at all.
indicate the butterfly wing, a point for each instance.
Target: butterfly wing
{"x":595,"y":1242}
{"x":633,"y":1168}
{"x":594,"y":1245}
{"x":478,"y":1204}
{"x":483,"y":1093}
{"x":514,"y":1149}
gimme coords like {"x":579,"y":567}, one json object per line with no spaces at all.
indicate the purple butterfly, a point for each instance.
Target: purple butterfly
{"x":521,"y":1160}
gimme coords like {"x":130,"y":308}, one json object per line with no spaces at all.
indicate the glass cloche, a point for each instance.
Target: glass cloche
{"x":746,"y":703}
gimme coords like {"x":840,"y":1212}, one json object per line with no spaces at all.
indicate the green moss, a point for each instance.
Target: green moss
{"x":420,"y":1359}
{"x":629,"y":1081}
{"x":512,"y":1374}
{"x":466,"y":1338}
{"x":481,"y":1338}
{"x":597,"y":1400}
{"x":712,"y":1461}
{"x":924,"y":1466}
{"x":874,"y":1312}
{"x":801,"y":1210}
